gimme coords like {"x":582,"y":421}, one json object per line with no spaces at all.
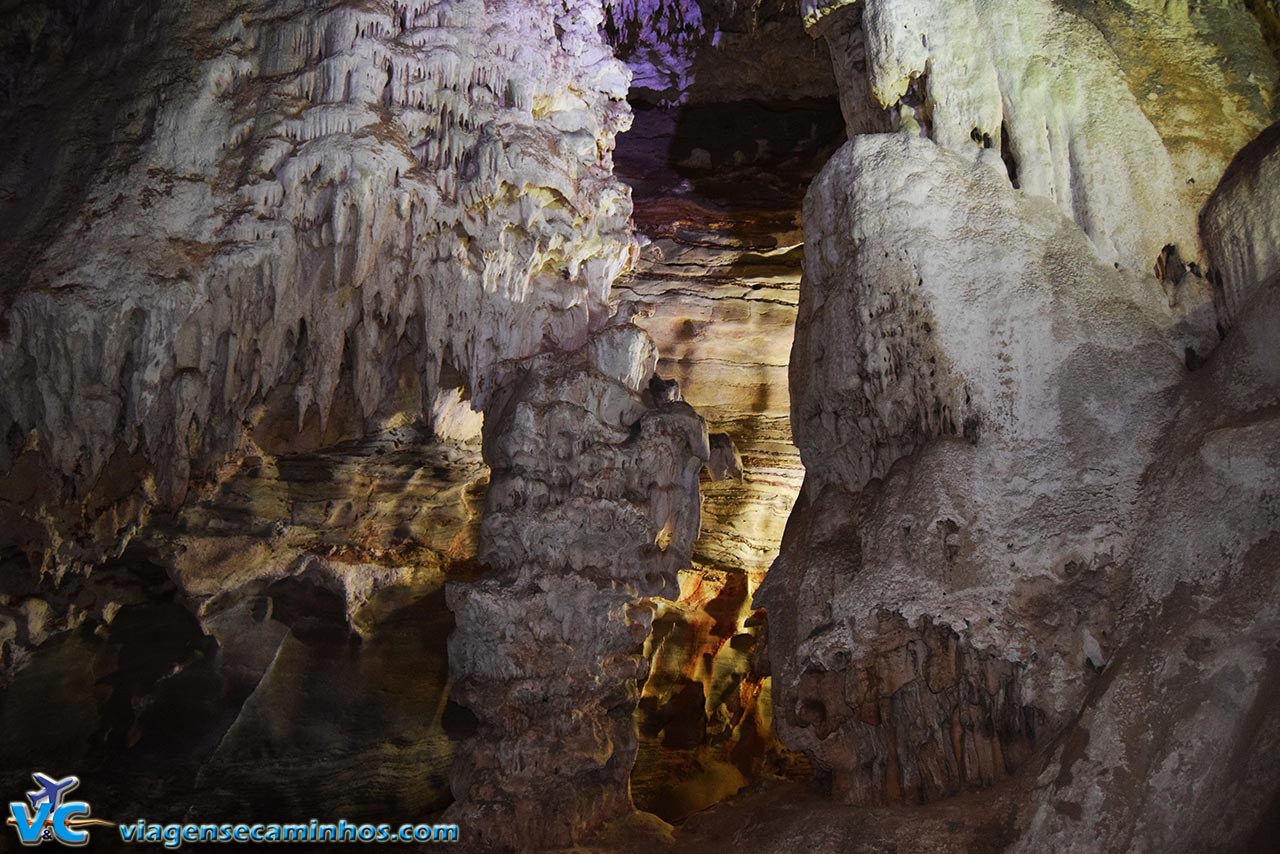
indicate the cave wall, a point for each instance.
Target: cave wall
{"x":312,"y":356}
{"x":279,"y":260}
{"x":283,"y":214}
{"x":1018,"y":373}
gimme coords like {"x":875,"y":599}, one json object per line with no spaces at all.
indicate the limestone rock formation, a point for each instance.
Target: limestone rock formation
{"x":278,"y":645}
{"x":284,"y":256}
{"x":364,"y":450}
{"x":990,"y":391}
{"x":1241,"y":227}
{"x":717,"y":193}
{"x":1176,"y":752}
{"x":592,"y":509}
{"x":1124,"y":114}
{"x":951,"y":381}
{"x":1035,"y":485}
{"x":289,"y":213}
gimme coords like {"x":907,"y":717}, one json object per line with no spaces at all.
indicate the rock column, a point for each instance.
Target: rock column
{"x":593,"y":509}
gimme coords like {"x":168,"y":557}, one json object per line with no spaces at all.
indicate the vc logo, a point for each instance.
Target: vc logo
{"x":50,"y":815}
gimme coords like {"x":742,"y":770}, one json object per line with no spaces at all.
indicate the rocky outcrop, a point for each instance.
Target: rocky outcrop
{"x":716,"y":283}
{"x":943,"y":589}
{"x":1124,"y":114}
{"x":302,"y":226}
{"x":987,"y":381}
{"x":592,"y":509}
{"x":705,"y":718}
{"x":1175,"y":750}
{"x":283,"y":217}
{"x":1241,"y":227}
{"x":1038,"y":513}
{"x":278,"y":645}
{"x":271,"y":269}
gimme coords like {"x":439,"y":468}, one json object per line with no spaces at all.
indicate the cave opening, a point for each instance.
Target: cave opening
{"x":718,"y":179}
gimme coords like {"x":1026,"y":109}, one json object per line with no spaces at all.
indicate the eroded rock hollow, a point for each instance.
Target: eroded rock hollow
{"x":646,"y":425}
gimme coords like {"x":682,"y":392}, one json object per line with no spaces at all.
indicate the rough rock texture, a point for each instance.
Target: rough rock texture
{"x":1176,"y":749}
{"x":961,"y":358}
{"x":266,"y":265}
{"x":990,"y":393}
{"x":353,"y":519}
{"x":705,"y":715}
{"x":282,"y":213}
{"x":705,"y":51}
{"x":1124,"y":114}
{"x":591,"y":510}
{"x":717,"y":193}
{"x":1039,"y":509}
{"x":1241,"y":226}
{"x":277,"y":646}
{"x":297,"y":224}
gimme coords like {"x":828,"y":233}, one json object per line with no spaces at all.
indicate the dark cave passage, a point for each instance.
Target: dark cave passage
{"x":290,"y":693}
{"x":717,"y":189}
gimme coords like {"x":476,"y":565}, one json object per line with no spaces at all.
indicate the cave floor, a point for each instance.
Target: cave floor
{"x":776,"y":815}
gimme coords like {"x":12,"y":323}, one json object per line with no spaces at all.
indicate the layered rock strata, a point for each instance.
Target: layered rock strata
{"x":591,"y":511}
{"x":277,"y":646}
{"x":717,"y":193}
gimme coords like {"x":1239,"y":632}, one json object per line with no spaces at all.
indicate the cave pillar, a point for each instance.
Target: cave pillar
{"x":593,"y":509}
